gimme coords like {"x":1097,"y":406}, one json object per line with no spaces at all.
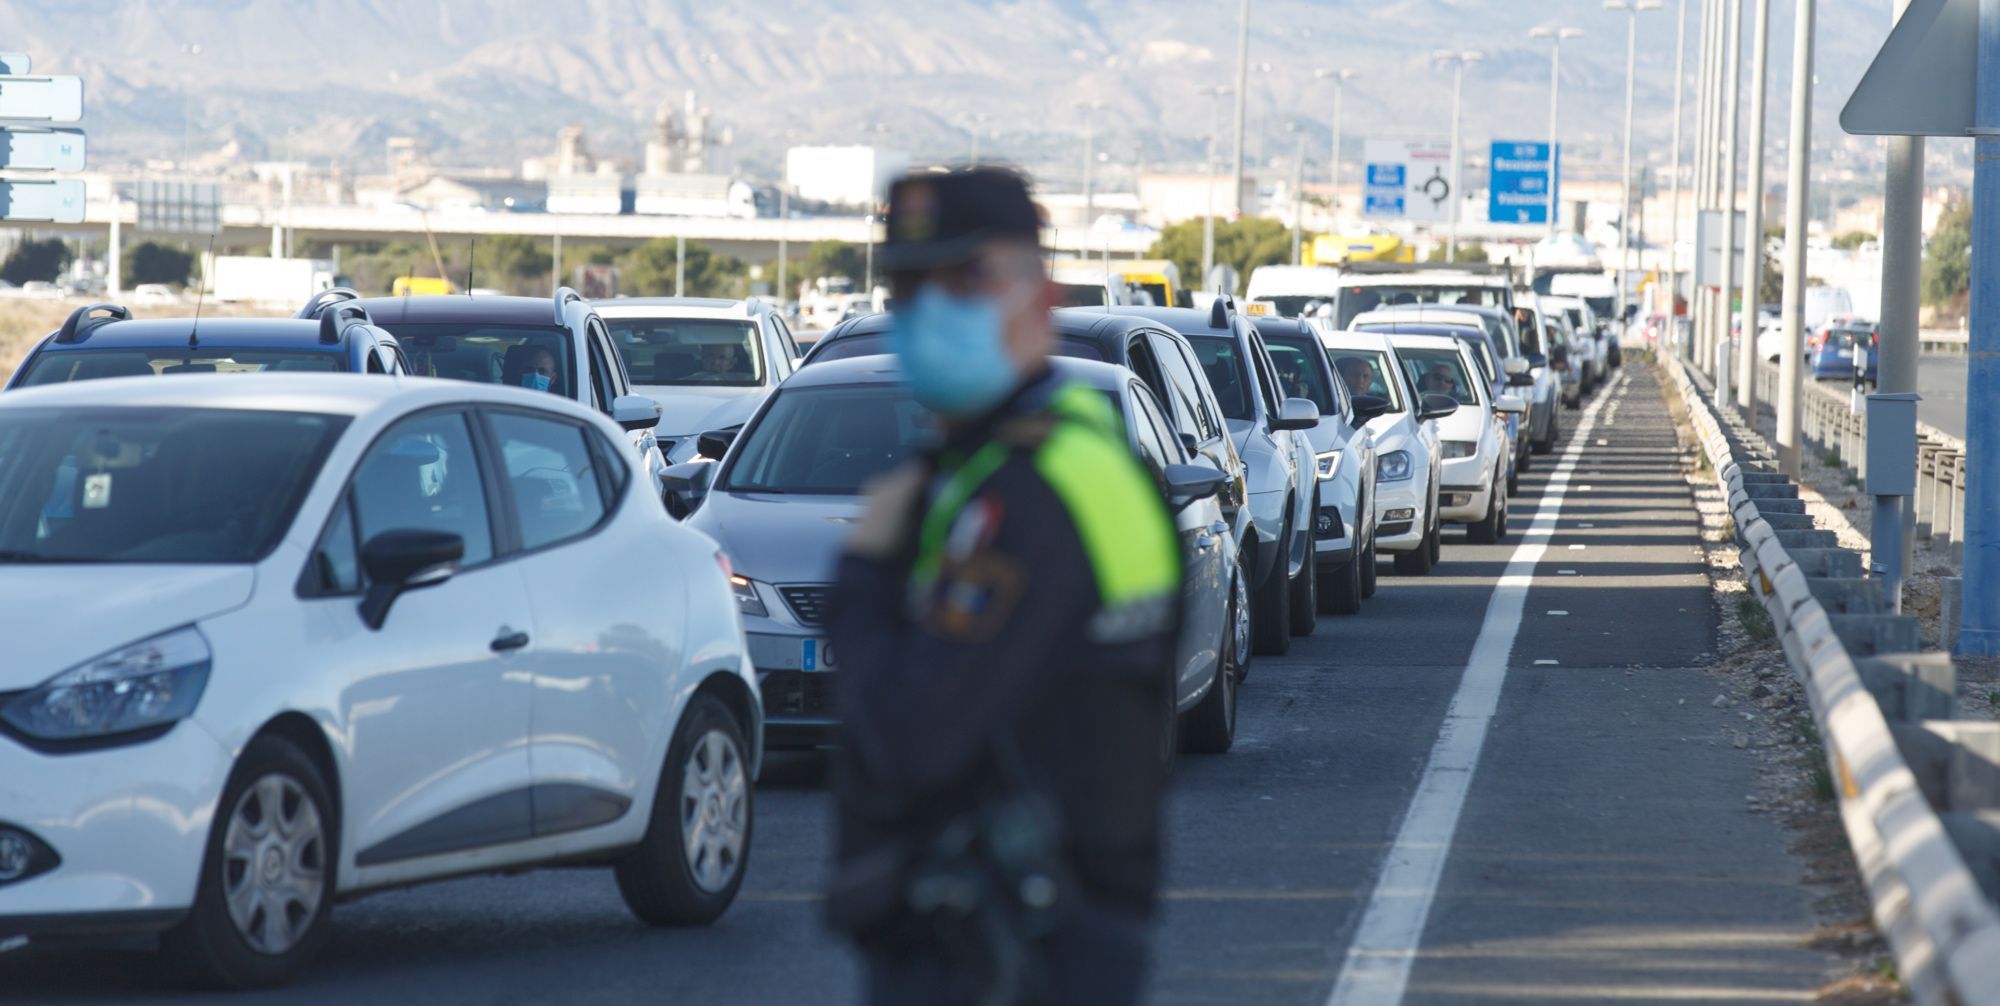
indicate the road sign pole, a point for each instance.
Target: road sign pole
{"x":1753,"y":225}
{"x":1625,"y":172}
{"x":1672,"y":326}
{"x":1704,"y":179}
{"x":1457,"y":90}
{"x":1242,"y":99}
{"x":1555,"y":95}
{"x":1732,"y":66}
{"x":1979,"y":632}
{"x":1902,"y":276}
{"x":1798,"y":177}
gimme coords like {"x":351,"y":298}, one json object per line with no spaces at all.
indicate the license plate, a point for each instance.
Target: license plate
{"x":818,"y":656}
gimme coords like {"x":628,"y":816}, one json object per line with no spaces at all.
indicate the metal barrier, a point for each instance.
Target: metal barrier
{"x":1919,"y":791}
{"x":1827,"y":419}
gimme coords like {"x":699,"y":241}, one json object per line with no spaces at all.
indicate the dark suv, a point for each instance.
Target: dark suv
{"x":104,"y":340}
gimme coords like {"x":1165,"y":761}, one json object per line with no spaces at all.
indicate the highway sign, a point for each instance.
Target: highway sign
{"x":59,"y":201}
{"x":1407,"y":180}
{"x":28,"y":149}
{"x":41,"y":99}
{"x":178,"y":206}
{"x":1523,"y":173}
{"x":15,"y":62}
{"x":1708,"y":239}
{"x":1921,"y":82}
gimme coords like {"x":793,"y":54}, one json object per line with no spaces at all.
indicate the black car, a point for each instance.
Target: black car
{"x":104,"y":340}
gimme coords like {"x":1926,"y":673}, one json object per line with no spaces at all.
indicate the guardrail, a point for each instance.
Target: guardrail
{"x":1943,"y":340}
{"x":1919,"y":791}
{"x":1828,"y":419}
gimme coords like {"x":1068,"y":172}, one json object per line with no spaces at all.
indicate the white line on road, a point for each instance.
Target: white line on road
{"x":1377,"y":968}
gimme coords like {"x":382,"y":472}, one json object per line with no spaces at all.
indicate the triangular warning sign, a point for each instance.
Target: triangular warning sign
{"x":1921,"y":83}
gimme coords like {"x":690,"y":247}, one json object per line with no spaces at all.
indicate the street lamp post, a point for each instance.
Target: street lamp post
{"x":1753,"y":225}
{"x":1340,"y":79}
{"x":1242,"y":96}
{"x":1633,"y":9}
{"x":1672,"y":325}
{"x":979,"y":121}
{"x":1458,"y":61}
{"x":1089,"y":109}
{"x":1298,"y":193}
{"x":1556,"y":37}
{"x":187,"y":110}
{"x":1216,"y":94}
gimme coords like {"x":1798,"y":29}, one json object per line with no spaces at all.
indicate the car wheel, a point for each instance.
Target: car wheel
{"x":1211,"y":725}
{"x":1271,"y":612}
{"x":688,"y":866}
{"x":1368,"y":560}
{"x":1340,"y":591}
{"x":1485,"y":530}
{"x":1305,"y":597}
{"x":1513,"y":479}
{"x":1500,"y":531}
{"x":1170,"y":731}
{"x":266,"y":885}
{"x":1437,"y":537}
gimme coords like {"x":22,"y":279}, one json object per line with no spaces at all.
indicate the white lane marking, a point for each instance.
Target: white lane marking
{"x":1538,"y":663}
{"x":1377,"y":967}
{"x":1557,"y":611}
{"x":1586,"y":525}
{"x":1578,"y":548}
{"x":1566,"y":572}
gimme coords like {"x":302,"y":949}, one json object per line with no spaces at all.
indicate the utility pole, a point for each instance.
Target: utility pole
{"x":1340,"y":79}
{"x":1707,"y":159}
{"x":1242,"y":108}
{"x":1089,"y":160}
{"x":1458,"y":61}
{"x":1298,"y":196}
{"x":1672,"y":326}
{"x":1798,"y":172}
{"x":1753,"y":225}
{"x":1215,"y":94}
{"x":1902,"y":276}
{"x":1632,"y":9}
{"x":1979,"y":635}
{"x":1556,"y":37}
{"x":784,"y":225}
{"x":1732,"y":64}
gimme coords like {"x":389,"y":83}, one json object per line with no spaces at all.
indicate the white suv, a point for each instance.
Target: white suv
{"x":445,"y":629}
{"x":1407,"y":452}
{"x":707,"y":362}
{"x":1476,"y":454}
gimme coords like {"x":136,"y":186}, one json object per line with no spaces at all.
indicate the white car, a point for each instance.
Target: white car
{"x":154,"y":295}
{"x":445,"y":629}
{"x":1407,"y":452}
{"x":708,"y":362}
{"x":1473,"y":439}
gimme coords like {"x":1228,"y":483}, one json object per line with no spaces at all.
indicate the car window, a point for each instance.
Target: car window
{"x":829,"y":440}
{"x":374,"y":362}
{"x":877,"y":344}
{"x":602,"y":388}
{"x":66,"y":365}
{"x":423,"y":474}
{"x":1300,"y":372}
{"x":1366,"y":372}
{"x":551,"y":477}
{"x":1188,"y":401}
{"x":1153,"y":431}
{"x":617,"y":378}
{"x":1221,"y":360}
{"x":785,"y":336}
{"x":1438,"y":372}
{"x":1267,"y":378}
{"x":154,"y":485}
{"x":337,"y":560}
{"x":1482,"y":354}
{"x":537,"y":357}
{"x":710,"y":352}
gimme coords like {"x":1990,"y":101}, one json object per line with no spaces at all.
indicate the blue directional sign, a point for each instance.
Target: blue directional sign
{"x":1526,"y":182}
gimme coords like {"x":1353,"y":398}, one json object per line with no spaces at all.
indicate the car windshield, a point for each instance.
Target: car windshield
{"x":1223,"y":363}
{"x":829,"y":440}
{"x":1438,"y":372}
{"x":1300,"y":372}
{"x":1603,"y":307}
{"x":1367,"y":373}
{"x":690,"y":351}
{"x":877,"y":344}
{"x":154,"y":485}
{"x":1359,"y":300}
{"x":525,"y":356}
{"x":57,"y":367}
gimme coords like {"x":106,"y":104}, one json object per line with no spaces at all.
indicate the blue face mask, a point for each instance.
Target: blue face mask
{"x":953,"y":352}
{"x":534,"y":381}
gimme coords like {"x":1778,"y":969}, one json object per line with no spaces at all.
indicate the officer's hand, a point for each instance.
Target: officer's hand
{"x":894,"y":500}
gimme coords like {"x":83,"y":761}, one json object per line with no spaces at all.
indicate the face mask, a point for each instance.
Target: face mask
{"x":535,"y":382}
{"x":953,"y":352}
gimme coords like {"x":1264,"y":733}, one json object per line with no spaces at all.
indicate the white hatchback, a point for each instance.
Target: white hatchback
{"x":1473,"y":442}
{"x":273,"y":644}
{"x":1407,"y":452}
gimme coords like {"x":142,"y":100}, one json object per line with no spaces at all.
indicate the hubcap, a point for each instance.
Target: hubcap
{"x":1239,"y":633}
{"x":273,"y":864}
{"x":715,"y":814}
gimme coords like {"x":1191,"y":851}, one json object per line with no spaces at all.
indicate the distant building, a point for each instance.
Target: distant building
{"x":843,"y":176}
{"x":1169,"y":199}
{"x":444,"y":193}
{"x":676,"y":195}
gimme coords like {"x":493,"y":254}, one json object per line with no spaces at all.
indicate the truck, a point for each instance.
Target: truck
{"x":263,"y":280}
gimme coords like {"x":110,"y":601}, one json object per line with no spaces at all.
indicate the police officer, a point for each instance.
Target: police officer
{"x":1005,"y":614}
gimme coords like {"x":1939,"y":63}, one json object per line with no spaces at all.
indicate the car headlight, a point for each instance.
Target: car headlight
{"x":152,"y":683}
{"x":1393,"y":466}
{"x":747,"y":600}
{"x":1454,"y":449}
{"x":1328,"y":461}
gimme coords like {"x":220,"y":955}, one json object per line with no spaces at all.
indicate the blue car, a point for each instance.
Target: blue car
{"x":1833,"y":349}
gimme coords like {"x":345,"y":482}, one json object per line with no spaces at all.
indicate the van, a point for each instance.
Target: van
{"x":1291,"y":289}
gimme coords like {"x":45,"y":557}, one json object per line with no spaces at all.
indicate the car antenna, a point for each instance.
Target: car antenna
{"x":471,"y":261}
{"x":201,"y":292}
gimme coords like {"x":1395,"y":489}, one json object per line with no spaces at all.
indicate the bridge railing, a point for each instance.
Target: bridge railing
{"x":1919,"y":791}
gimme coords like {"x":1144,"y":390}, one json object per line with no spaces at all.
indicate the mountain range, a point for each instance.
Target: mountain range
{"x":491,"y":81}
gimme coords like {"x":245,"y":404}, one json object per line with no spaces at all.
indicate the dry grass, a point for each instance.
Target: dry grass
{"x":25,"y":322}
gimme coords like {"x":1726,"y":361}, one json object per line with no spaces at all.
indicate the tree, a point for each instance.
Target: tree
{"x":36,"y":260}
{"x":835,"y":258}
{"x":1948,"y":259}
{"x":1244,"y":244}
{"x":1852,"y":240}
{"x":648,"y":270}
{"x":149,"y":262}
{"x":512,"y":263}
{"x":1466,"y":253}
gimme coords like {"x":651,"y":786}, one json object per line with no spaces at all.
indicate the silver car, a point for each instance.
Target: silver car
{"x":708,"y":362}
{"x":785,"y":491}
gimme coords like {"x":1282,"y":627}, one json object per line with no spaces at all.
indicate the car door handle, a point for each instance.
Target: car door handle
{"x":509,"y":641}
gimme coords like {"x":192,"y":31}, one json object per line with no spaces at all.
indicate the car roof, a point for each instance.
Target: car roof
{"x":679,"y":307}
{"x":334,"y":394}
{"x":1351,"y":339}
{"x":1091,"y":324}
{"x":1483,"y":310}
{"x":495,"y":309}
{"x":874,"y":369}
{"x":1421,"y":341}
{"x":162,"y":333}
{"x":1096,"y":373}
{"x":1185,"y":320}
{"x":1424,"y":277}
{"x":1463,"y":332}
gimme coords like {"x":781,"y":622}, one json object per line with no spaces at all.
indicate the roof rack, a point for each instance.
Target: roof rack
{"x":325,"y":297}
{"x":1221,"y":311}
{"x":82,"y":320}
{"x":564,"y":296}
{"x":333,"y":324}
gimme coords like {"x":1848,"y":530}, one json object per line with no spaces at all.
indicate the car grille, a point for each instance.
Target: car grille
{"x":797,"y":693}
{"x":808,"y":603}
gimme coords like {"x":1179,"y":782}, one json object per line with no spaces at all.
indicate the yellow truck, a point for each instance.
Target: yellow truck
{"x":421,"y":286}
{"x":1337,"y":249}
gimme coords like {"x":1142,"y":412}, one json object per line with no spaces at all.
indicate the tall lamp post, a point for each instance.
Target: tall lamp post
{"x":1216,"y":94}
{"x":1556,"y":37}
{"x":1340,"y":79}
{"x":1633,"y":9}
{"x":979,"y":121}
{"x":1298,"y":192}
{"x":1672,"y":327}
{"x":1458,"y":61}
{"x":190,"y":49}
{"x":1089,"y":109}
{"x":1242,"y":96}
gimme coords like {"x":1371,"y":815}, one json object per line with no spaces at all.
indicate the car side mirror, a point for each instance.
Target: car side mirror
{"x":684,"y":485}
{"x":1190,"y":444}
{"x":1521,"y":380}
{"x":1515,"y":365}
{"x":1367,"y":407}
{"x":1296,"y":414}
{"x":635,"y":412}
{"x":715,"y":443}
{"x":1509,"y":405}
{"x":1437,"y":407}
{"x":402,"y":560}
{"x":1187,"y":484}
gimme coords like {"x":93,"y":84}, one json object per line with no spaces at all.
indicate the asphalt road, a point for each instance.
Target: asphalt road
{"x":1601,"y":851}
